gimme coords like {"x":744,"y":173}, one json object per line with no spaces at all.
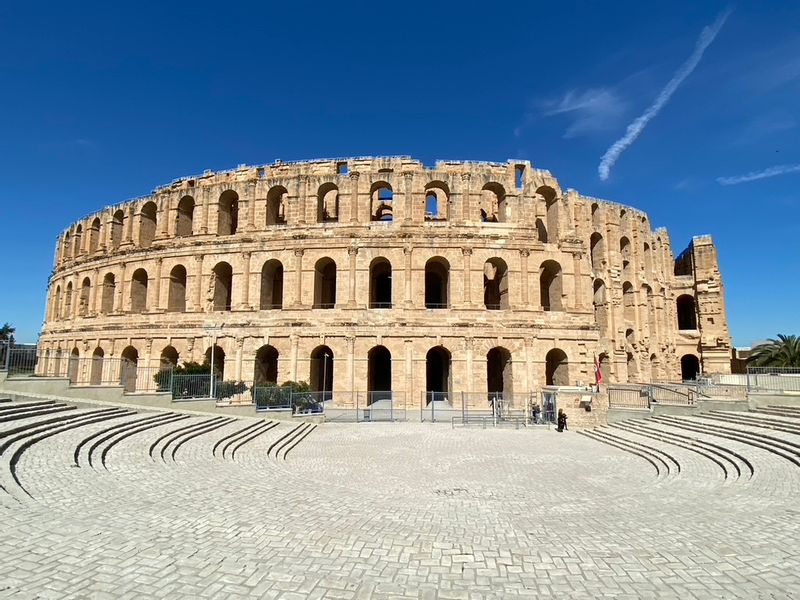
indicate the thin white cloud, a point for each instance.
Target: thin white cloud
{"x":755,"y":175}
{"x":635,"y":129}
{"x":593,"y":110}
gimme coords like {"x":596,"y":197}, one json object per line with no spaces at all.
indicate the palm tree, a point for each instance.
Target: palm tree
{"x":783,"y":352}
{"x":7,"y":333}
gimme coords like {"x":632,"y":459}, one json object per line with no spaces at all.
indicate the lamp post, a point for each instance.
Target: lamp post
{"x":212,"y":330}
{"x":324,"y":375}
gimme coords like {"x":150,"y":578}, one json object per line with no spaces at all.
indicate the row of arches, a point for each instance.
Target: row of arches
{"x":492,"y":206}
{"x":597,"y":252}
{"x":436,"y":282}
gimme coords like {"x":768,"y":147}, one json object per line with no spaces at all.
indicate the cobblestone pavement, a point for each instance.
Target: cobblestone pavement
{"x":391,"y":511}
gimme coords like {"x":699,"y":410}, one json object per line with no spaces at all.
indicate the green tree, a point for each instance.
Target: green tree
{"x":7,"y":333}
{"x":782,"y":352}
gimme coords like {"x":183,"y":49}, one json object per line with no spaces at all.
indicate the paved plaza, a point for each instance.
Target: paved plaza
{"x":192,"y":507}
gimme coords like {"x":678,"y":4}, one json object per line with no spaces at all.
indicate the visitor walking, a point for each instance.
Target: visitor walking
{"x":562,"y":420}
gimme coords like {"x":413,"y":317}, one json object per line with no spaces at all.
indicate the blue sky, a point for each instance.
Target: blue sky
{"x":105,"y":101}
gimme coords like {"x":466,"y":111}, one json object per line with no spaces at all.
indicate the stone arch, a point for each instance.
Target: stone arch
{"x":76,"y":240}
{"x":541,"y":231}
{"x":437,"y":283}
{"x":633,"y":369}
{"x":96,"y":371}
{"x":551,"y":210}
{"x":687,"y":312}
{"x":381,"y":201}
{"x":321,"y":370}
{"x":380,"y":283}
{"x":176,"y":301}
{"x":597,"y":248}
{"x":690,"y":367}
{"x":499,"y":373}
{"x":600,"y":304}
{"x":438,"y":379}
{"x":328,"y":203}
{"x":147,"y":224}
{"x":129,"y":368}
{"x":597,"y":216}
{"x":277,"y":200}
{"x":654,"y":368}
{"x":117,"y":224}
{"x":109,"y":291}
{"x":493,"y":207}
{"x":379,"y":374}
{"x":222,"y":280}
{"x":228,"y":213}
{"x":605,"y":367}
{"x":169,"y":358}
{"x":271,"y":285}
{"x":628,"y":303}
{"x":94,"y":235}
{"x":648,"y":260}
{"x":265,"y":371}
{"x":495,"y":284}
{"x":66,"y":246}
{"x":218,"y":365}
{"x":184,"y":218}
{"x":72,"y":365}
{"x":139,"y":291}
{"x":437,"y":201}
{"x":57,"y":303}
{"x":630,"y":336}
{"x":85,"y":297}
{"x":325,"y":283}
{"x":68,"y":301}
{"x":551,"y":286}
{"x":556,"y":367}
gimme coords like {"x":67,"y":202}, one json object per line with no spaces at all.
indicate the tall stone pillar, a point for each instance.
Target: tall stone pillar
{"x":295,"y":343}
{"x":251,"y":206}
{"x":352,"y":253}
{"x":127,"y":239}
{"x":408,"y":202}
{"x":467,"y":299}
{"x":204,"y":227}
{"x":94,"y":302}
{"x":409,"y":372}
{"x":239,"y":356}
{"x":156,"y":305}
{"x":301,"y":200}
{"x":524,"y":253}
{"x":466,"y":198}
{"x":198,"y":284}
{"x":298,"y":277}
{"x":579,"y":301}
{"x":407,"y":253}
{"x":120,"y":303}
{"x":354,"y":196}
{"x":163,"y":219}
{"x":351,"y":365}
{"x":245,"y":305}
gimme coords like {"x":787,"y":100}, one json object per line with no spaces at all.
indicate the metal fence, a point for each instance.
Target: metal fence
{"x":775,"y":380}
{"x":19,"y":359}
{"x":628,"y":396}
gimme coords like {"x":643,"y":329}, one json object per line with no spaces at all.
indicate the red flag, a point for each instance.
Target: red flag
{"x":598,"y":374}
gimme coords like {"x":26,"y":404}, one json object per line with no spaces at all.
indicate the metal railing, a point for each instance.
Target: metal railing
{"x":628,"y":396}
{"x":678,"y":394}
{"x":775,"y":380}
{"x":19,"y":359}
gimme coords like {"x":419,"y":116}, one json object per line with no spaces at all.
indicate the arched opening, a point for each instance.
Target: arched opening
{"x":550,"y":286}
{"x":687,"y":312}
{"x":223,"y":286}
{"x":597,"y":248}
{"x":605,"y":367}
{"x":551,"y":210}
{"x":169,"y":358}
{"x":495,"y":284}
{"x":72,"y":369}
{"x":648,"y":260}
{"x":438,"y":384}
{"x":437,"y":204}
{"x":129,"y":368}
{"x":628,"y":303}
{"x":556,"y":368}
{"x":177,"y":289}
{"x":325,"y":283}
{"x":228,"y":213}
{"x":217,"y":361}
{"x":94,"y":235}
{"x":379,"y":374}
{"x":630,"y":337}
{"x":499,"y":381}
{"x":147,"y":224}
{"x":600,"y":305}
{"x":139,"y":291}
{"x":541,"y":231}
{"x":96,"y":374}
{"x":321,"y":373}
{"x":277,"y":200}
{"x":625,"y":248}
{"x":650,"y":309}
{"x":68,"y":301}
{"x":437,"y":284}
{"x":265,"y":373}
{"x":690,"y":367}
{"x":66,"y":246}
{"x":57,"y":303}
{"x":653,"y":368}
{"x":597,"y":216}
{"x":85,"y":297}
{"x":271,"y":285}
{"x":380,"y":283}
{"x":327,"y":203}
{"x":184,"y":220}
{"x":109,"y":290}
{"x":381,"y":201}
{"x":77,"y":241}
{"x":493,"y":206}
{"x":633,"y":370}
{"x":117,"y":221}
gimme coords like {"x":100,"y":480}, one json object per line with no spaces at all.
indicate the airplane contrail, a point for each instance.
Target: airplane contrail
{"x":754,"y":175}
{"x":636,"y":127}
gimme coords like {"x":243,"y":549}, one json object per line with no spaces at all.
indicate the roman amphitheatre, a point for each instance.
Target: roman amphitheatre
{"x":440,"y":316}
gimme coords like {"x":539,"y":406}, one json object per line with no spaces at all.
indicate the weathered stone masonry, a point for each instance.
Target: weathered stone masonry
{"x":382,"y":274}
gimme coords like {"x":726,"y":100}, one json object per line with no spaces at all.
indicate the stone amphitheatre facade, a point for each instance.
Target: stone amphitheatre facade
{"x":380,"y":274}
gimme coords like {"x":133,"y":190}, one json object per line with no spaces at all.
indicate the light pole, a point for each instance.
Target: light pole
{"x":324,"y":375}
{"x":212,"y":330}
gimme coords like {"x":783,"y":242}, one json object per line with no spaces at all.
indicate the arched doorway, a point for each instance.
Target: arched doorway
{"x":380,"y":284}
{"x":321,"y":371}
{"x":690,"y":367}
{"x":96,"y":375}
{"x":556,"y":368}
{"x":437,"y":374}
{"x":271,"y":285}
{"x":217,"y":361}
{"x":437,"y":286}
{"x":499,"y":381}
{"x":265,"y":373}
{"x":128,"y":371}
{"x":379,"y":374}
{"x":495,"y":284}
{"x":325,"y":283}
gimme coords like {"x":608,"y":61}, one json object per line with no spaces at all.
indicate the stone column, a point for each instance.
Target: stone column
{"x":301,"y":200}
{"x":579,"y":301}
{"x":251,"y":206}
{"x":469,"y":343}
{"x":156,"y":305}
{"x":239,"y":355}
{"x":295,"y":342}
{"x":409,"y":371}
{"x":245,"y":305}
{"x":120,"y":303}
{"x":354,"y":196}
{"x":407,"y":253}
{"x":298,"y":278}
{"x":204,"y":217}
{"x":524,"y":253}
{"x":163,"y":219}
{"x":467,"y":300}
{"x":352,"y":253}
{"x":466,"y":198}
{"x":351,"y":365}
{"x":94,"y":301}
{"x":127,"y":238}
{"x":408,"y":203}
{"x":198,"y":285}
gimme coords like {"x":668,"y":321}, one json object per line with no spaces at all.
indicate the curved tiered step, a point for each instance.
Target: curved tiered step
{"x":116,"y":435}
{"x":198,"y":433}
{"x":176,"y":434}
{"x":662,"y":470}
{"x":782,"y":411}
{"x":249,"y":438}
{"x":754,"y":421}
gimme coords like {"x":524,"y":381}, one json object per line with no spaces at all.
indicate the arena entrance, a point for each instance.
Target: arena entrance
{"x":437,"y":375}
{"x":499,"y":380}
{"x":321,"y":372}
{"x":379,"y":375}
